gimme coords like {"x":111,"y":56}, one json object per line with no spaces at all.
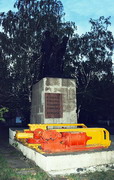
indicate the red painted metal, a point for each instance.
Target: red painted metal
{"x":59,"y":147}
{"x":38,"y":133}
{"x":72,"y":139}
{"x":28,"y":131}
{"x":34,"y":141}
{"x":51,"y":135}
{"x":52,"y":141}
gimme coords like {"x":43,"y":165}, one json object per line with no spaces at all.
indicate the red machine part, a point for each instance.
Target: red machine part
{"x":37,"y":137}
{"x":34,"y":141}
{"x":66,"y":142}
{"x":52,"y":141}
{"x":58,"y":148}
{"x":73,"y":139}
{"x":38,"y":133}
{"x":53,"y":135}
{"x":42,"y":136}
{"x":28,"y":131}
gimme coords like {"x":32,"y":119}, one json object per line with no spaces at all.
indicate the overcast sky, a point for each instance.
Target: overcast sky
{"x":78,"y":11}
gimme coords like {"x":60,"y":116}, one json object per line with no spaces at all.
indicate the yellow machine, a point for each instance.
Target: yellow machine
{"x":23,"y":134}
{"x":99,"y":137}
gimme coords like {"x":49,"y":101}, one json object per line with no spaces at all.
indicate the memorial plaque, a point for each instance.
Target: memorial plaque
{"x":53,"y":105}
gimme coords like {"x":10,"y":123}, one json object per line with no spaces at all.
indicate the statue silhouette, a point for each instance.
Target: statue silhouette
{"x":60,"y":52}
{"x":52,"y":55}
{"x":46,"y":50}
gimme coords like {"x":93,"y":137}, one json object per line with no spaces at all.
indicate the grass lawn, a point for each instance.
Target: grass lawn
{"x":7,"y":173}
{"x":108,"y":175}
{"x":36,"y":173}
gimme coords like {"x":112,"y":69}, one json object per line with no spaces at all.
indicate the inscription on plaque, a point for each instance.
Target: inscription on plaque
{"x":53,"y":105}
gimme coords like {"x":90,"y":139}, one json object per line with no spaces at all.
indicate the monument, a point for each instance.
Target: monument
{"x":53,"y":97}
{"x":54,"y":101}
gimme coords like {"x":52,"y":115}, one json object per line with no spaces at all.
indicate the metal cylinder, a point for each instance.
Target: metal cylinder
{"x":79,"y":138}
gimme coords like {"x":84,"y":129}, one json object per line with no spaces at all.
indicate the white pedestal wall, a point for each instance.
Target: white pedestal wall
{"x":66,"y":87}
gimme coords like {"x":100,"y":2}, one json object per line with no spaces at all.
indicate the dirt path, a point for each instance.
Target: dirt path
{"x":15,"y":159}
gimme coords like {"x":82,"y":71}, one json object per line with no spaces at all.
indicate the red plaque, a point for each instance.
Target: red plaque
{"x":53,"y":105}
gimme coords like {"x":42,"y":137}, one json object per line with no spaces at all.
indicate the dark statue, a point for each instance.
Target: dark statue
{"x":52,"y":55}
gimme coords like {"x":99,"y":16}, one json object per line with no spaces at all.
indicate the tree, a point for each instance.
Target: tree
{"x":88,"y":58}
{"x":24,"y":30}
{"x":3,"y":110}
{"x":5,"y":79}
{"x":92,"y":59}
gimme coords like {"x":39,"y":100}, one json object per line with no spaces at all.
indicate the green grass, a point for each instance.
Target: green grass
{"x":108,"y":175}
{"x":7,"y":173}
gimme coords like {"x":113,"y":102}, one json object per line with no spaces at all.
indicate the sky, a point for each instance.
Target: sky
{"x":78,"y":11}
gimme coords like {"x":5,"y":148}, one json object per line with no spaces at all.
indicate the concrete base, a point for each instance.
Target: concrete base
{"x":47,"y":107}
{"x":62,"y":164}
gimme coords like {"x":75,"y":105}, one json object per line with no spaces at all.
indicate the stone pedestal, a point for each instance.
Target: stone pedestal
{"x":54,"y":101}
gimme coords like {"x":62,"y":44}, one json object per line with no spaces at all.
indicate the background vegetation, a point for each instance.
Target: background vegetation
{"x":88,"y":59}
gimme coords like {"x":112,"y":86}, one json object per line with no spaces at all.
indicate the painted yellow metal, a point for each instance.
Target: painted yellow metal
{"x":26,"y":130}
{"x":100,"y":136}
{"x":23,"y":135}
{"x":34,"y":146}
{"x":32,"y":127}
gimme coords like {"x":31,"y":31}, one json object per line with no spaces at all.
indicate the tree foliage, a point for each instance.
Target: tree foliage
{"x":93,"y":66}
{"x":23,"y":32}
{"x":3,"y":110}
{"x":88,"y":57}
